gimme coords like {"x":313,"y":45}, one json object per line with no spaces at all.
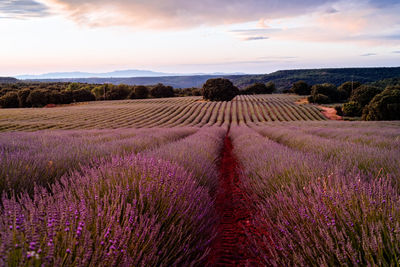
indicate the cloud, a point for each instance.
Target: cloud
{"x":396,"y":52}
{"x":255,"y":38}
{"x":331,"y":10}
{"x":368,"y":55}
{"x":253,"y":34}
{"x":182,"y":13}
{"x":22,"y":9}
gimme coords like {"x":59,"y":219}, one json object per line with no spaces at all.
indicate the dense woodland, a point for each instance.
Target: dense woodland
{"x":372,"y":101}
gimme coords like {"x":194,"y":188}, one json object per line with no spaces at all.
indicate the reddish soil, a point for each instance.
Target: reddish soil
{"x":230,"y":248}
{"x":302,"y":101}
{"x":330,"y":113}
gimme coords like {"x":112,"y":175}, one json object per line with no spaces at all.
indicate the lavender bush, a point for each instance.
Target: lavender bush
{"x":43,"y":157}
{"x":314,"y":212}
{"x":370,"y":160}
{"x":131,"y":211}
{"x":198,"y":154}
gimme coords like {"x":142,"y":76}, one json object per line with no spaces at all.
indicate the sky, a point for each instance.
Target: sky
{"x":192,"y":36}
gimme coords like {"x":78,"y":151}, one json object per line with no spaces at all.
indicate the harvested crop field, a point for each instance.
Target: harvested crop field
{"x":165,"y":112}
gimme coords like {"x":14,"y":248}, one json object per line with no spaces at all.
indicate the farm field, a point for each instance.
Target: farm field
{"x":167,"y":112}
{"x":257,"y":181}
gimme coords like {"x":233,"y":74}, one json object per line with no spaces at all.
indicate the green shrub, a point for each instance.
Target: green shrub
{"x":54,"y":97}
{"x":82,"y":95}
{"x":98,"y":92}
{"x":161,"y":90}
{"x":23,"y":96}
{"x":118,"y":92}
{"x":364,"y":94}
{"x":301,"y":88}
{"x":73,"y":86}
{"x":38,"y":98}
{"x":321,"y":99}
{"x":140,"y":92}
{"x":260,"y":88}
{"x":352,"y":109}
{"x":384,"y":106}
{"x":219,"y":89}
{"x":9,"y":100}
{"x":325,"y":93}
{"x":347,"y":88}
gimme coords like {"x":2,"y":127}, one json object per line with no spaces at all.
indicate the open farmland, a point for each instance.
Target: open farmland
{"x":257,"y":181}
{"x":166,"y":112}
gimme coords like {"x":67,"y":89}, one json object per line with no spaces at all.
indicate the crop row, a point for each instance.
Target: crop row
{"x":319,"y":202}
{"x":42,"y":157}
{"x":154,"y":208}
{"x":185,"y":111}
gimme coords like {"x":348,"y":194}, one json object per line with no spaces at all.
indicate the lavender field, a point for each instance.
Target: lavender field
{"x":308,"y":192}
{"x":175,"y":112}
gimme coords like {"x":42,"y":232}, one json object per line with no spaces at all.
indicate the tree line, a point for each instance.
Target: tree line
{"x":22,"y":95}
{"x":374,"y":101}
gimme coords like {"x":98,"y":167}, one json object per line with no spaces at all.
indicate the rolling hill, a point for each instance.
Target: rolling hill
{"x":283,"y":79}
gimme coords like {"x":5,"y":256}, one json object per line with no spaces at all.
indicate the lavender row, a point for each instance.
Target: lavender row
{"x":130,"y":211}
{"x":368,"y":159}
{"x":379,"y":134}
{"x":43,"y":157}
{"x":198,"y":154}
{"x":310,"y":212}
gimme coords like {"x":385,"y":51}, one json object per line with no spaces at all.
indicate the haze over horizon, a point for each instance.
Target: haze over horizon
{"x":174,"y":36}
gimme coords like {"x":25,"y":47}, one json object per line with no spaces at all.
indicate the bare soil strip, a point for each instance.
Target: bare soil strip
{"x":330,"y":113}
{"x":230,"y":248}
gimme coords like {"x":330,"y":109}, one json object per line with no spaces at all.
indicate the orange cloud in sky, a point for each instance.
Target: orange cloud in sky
{"x":160,"y":14}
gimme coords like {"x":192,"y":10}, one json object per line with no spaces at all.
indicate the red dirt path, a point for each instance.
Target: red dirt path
{"x":230,"y":246}
{"x":330,"y":113}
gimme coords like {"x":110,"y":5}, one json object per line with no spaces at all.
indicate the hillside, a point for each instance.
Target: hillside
{"x":283,"y":79}
{"x":8,"y":80}
{"x":174,"y":81}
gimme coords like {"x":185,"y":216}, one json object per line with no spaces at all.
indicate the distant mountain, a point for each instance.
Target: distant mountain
{"x":283,"y":79}
{"x":8,"y":80}
{"x":174,"y":81}
{"x":114,"y":74}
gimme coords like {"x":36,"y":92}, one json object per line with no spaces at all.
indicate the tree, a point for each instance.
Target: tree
{"x":321,"y":99}
{"x":9,"y":100}
{"x":23,"y":96}
{"x":219,"y":89}
{"x":73,"y":86}
{"x":352,"y":109}
{"x":38,"y":98}
{"x":161,"y":90}
{"x":141,"y":92}
{"x":364,"y":94}
{"x":66,"y":97}
{"x":270,"y":88}
{"x":346,"y":88}
{"x":98,"y":92}
{"x":118,"y":92}
{"x":324,"y":93}
{"x":301,"y":88}
{"x":260,"y":88}
{"x":82,"y":95}
{"x":384,"y":106}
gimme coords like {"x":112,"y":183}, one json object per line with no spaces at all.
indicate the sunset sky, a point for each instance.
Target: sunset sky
{"x":186,"y":36}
